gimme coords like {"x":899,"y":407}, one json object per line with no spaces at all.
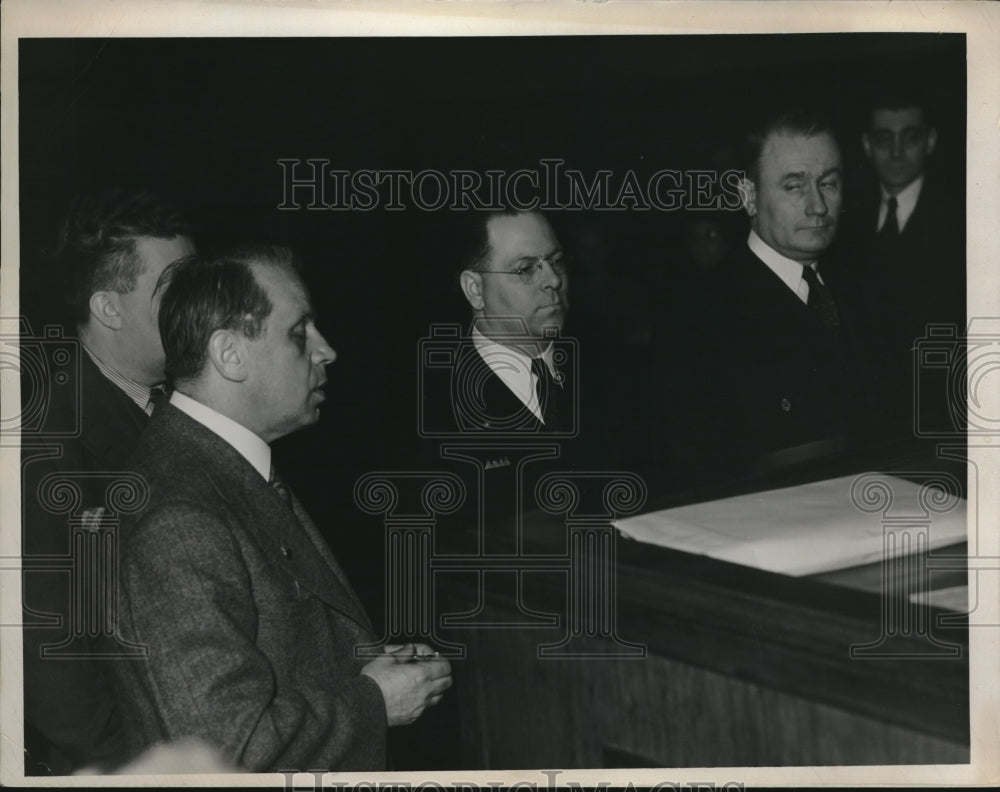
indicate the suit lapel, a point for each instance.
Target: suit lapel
{"x":114,"y":422}
{"x":498,"y":401}
{"x":286,"y":540}
{"x":766,"y":302}
{"x":916,"y":221}
{"x":761,"y":287}
{"x":297,"y":546}
{"x":320,"y":546}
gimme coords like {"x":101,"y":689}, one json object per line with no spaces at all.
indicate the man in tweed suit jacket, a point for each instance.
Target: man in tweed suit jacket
{"x":250,"y":624}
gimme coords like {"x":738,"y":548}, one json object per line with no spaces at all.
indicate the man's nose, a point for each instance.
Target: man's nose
{"x":322,"y":353}
{"x":551,"y":277}
{"x":815,"y":202}
{"x":897,"y":146}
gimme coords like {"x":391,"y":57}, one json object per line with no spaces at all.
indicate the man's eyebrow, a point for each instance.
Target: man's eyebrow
{"x":804,"y":175}
{"x":558,"y":249}
{"x":304,"y":319}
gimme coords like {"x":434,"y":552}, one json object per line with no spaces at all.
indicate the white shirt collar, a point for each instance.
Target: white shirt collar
{"x":789,"y":270}
{"x":251,"y":447}
{"x":136,"y":391}
{"x":906,"y":202}
{"x":513,"y":368}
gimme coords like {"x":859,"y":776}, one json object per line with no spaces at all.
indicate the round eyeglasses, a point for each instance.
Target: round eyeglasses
{"x":529,"y":270}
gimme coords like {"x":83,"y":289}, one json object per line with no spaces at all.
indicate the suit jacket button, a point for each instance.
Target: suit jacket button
{"x":786,"y":405}
{"x":286,"y":552}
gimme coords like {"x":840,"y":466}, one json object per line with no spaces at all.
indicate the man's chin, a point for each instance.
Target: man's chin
{"x":898,"y":183}
{"x":552,"y":326}
{"x":312,"y":411}
{"x":816,"y":240}
{"x":308,"y":420}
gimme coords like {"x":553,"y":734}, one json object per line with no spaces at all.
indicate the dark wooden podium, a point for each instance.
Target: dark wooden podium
{"x":707,"y":663}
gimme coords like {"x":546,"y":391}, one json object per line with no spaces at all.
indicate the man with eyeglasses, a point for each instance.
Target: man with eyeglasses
{"x":515,"y":277}
{"x":507,"y":380}
{"x":911,"y":231}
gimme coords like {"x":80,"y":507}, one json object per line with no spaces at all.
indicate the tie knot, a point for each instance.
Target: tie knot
{"x":157,"y":395}
{"x":279,"y":487}
{"x":810,"y":276}
{"x":821,"y":300}
{"x":890,"y":228}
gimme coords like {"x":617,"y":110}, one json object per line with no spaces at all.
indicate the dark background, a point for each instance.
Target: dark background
{"x":204,"y":121}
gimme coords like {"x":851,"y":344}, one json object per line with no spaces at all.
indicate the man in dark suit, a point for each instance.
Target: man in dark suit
{"x":256,"y":642}
{"x":777,"y":382}
{"x":515,"y":279}
{"x":114,"y":246}
{"x":511,"y":381}
{"x":910,"y":236}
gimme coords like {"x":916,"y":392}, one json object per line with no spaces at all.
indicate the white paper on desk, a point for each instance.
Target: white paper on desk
{"x":801,"y":530}
{"x":954,"y":598}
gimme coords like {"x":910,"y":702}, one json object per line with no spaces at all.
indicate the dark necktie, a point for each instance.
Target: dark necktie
{"x":548,"y":393}
{"x":280,"y":488}
{"x":821,"y":301}
{"x":890,"y":228}
{"x":158,"y":394}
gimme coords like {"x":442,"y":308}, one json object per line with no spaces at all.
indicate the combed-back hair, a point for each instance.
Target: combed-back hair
{"x":201,"y":296}
{"x":805,"y":122}
{"x":96,"y":246}
{"x":898,"y":95}
{"x":471,"y":239}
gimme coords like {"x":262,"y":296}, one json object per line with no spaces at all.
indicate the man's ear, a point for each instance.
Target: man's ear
{"x":866,"y":144}
{"x":931,"y":140}
{"x":748,"y":194}
{"x":104,"y":308}
{"x":228,"y":354}
{"x":472,"y":287}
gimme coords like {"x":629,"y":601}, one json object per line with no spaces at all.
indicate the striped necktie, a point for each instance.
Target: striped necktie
{"x":821,"y":301}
